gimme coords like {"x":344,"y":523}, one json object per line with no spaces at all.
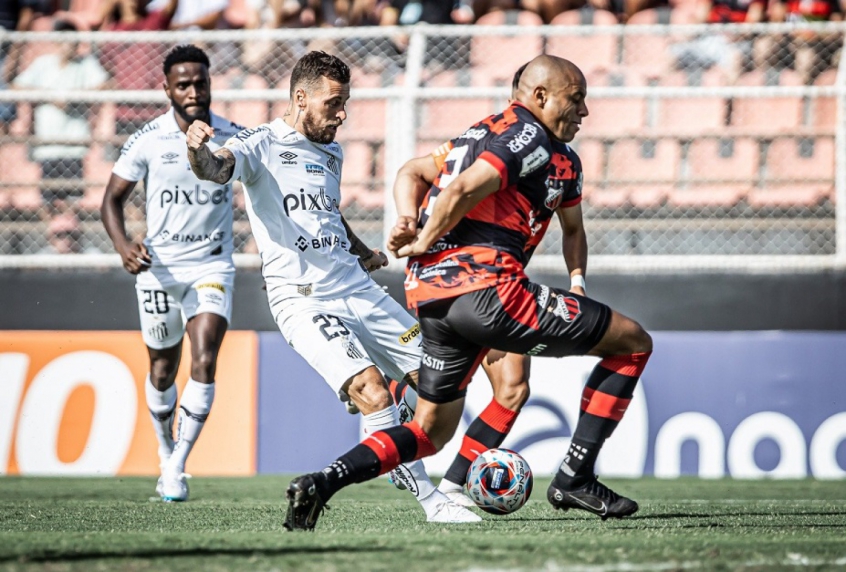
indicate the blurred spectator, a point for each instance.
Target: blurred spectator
{"x":193,"y":14}
{"x":732,"y":54}
{"x":808,"y":52}
{"x":134,"y":65}
{"x":449,"y":52}
{"x":15,"y":16}
{"x":62,"y":129}
{"x":65,"y":237}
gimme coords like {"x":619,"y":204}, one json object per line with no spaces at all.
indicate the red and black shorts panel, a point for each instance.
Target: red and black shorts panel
{"x":518,"y":317}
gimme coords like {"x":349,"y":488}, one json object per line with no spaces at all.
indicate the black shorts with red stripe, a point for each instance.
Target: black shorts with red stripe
{"x":518,"y":317}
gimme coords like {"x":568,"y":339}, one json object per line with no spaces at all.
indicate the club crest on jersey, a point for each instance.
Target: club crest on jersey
{"x":565,"y":307}
{"x":560,"y":174}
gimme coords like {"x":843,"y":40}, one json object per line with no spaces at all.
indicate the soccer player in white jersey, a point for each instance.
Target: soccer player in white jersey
{"x":320,"y":292}
{"x":184,"y":265}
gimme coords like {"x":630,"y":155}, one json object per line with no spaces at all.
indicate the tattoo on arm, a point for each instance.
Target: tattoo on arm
{"x":357,"y":247}
{"x":217,"y":167}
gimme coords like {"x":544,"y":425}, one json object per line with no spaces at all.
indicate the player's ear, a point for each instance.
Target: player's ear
{"x":540,"y":96}
{"x":300,"y":98}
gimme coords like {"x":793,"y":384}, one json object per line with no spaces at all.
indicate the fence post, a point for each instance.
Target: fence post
{"x":401,"y":136}
{"x":840,"y":162}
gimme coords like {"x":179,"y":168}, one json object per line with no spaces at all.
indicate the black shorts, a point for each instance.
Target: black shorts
{"x":519,"y":317}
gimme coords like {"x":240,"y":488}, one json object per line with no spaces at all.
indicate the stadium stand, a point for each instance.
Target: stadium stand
{"x":670,"y":138}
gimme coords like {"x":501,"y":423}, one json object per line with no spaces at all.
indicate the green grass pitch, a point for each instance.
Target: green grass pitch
{"x":113,"y":524}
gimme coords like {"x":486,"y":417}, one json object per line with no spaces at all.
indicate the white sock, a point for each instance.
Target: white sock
{"x":407,"y":405}
{"x":413,"y":475}
{"x":447,"y":486}
{"x":194,"y":408}
{"x":161,"y":405}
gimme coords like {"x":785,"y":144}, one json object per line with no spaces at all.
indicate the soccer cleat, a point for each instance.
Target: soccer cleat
{"x":593,"y":497}
{"x":450,"y":513}
{"x":304,"y":503}
{"x":396,"y":481}
{"x":459,"y":498}
{"x":352,"y":408}
{"x":160,"y":487}
{"x":174,"y":487}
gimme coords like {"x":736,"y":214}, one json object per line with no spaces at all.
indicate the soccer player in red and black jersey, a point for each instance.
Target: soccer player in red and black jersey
{"x":466,"y":279}
{"x":507,"y":372}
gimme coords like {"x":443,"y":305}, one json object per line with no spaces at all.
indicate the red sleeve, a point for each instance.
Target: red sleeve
{"x":497,"y":164}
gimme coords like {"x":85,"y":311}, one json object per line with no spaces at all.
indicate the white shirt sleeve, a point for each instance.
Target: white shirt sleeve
{"x":247,"y":149}
{"x":34,"y":75}
{"x":132,"y":163}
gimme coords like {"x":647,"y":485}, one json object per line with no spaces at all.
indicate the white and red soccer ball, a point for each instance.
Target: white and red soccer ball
{"x":499,"y":481}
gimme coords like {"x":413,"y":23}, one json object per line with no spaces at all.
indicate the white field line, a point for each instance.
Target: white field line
{"x":793,"y":559}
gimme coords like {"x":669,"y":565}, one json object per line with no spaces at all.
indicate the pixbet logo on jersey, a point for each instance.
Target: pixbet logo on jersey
{"x":195,"y":196}
{"x":308,"y":202}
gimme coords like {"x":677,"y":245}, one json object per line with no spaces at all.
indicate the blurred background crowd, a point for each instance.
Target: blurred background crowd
{"x":55,"y":156}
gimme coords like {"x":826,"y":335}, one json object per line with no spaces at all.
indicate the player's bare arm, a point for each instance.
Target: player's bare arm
{"x":574,"y":246}
{"x":478,"y":181}
{"x":372,"y":259}
{"x":133,"y":255}
{"x":412,"y":182}
{"x":218,"y":166}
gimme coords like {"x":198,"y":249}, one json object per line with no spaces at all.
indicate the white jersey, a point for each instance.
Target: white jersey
{"x":292,"y":193}
{"x":189,"y":221}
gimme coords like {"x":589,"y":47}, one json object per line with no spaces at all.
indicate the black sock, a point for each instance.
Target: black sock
{"x":578,"y":465}
{"x":356,"y":466}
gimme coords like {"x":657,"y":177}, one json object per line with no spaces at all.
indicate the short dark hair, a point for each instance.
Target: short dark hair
{"x":515,"y":83}
{"x":183,"y":54}
{"x":315,"y":65}
{"x":64,"y":26}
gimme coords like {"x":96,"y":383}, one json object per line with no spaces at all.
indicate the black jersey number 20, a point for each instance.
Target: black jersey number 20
{"x":155,"y":302}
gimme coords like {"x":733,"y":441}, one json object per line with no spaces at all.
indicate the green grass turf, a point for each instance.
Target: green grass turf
{"x":112,"y":524}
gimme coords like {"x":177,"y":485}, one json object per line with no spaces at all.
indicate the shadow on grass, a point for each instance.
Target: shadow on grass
{"x":186,"y":552}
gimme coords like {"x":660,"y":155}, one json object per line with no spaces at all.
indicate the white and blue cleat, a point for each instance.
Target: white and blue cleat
{"x":173,"y":488}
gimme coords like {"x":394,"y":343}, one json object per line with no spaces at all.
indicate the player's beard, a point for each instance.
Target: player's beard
{"x":323,"y":135}
{"x":202,"y":112}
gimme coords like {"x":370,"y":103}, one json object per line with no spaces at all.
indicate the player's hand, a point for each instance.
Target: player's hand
{"x":199,"y":133}
{"x":375,"y":261}
{"x":414,"y":248}
{"x":404,"y":231}
{"x":135,"y":258}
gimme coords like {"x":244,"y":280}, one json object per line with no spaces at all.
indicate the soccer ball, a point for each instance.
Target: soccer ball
{"x":499,"y":481}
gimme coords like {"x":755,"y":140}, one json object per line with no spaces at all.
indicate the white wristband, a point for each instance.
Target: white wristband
{"x":578,"y":280}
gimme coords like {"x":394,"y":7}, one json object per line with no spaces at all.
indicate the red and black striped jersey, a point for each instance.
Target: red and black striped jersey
{"x":493,"y":242}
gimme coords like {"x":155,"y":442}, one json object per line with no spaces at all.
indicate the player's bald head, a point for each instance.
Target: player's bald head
{"x":548,"y":72}
{"x":553,"y":90}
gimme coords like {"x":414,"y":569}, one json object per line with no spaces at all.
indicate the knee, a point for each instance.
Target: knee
{"x":203,"y":366}
{"x":639,"y":340}
{"x":369,"y":391}
{"x":513,"y":393}
{"x":162,"y":373}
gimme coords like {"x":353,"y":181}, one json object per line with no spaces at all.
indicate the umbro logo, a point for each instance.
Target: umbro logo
{"x":170,"y":158}
{"x":288,"y":158}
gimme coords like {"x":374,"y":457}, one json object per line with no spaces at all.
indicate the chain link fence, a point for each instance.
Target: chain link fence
{"x":702,"y":141}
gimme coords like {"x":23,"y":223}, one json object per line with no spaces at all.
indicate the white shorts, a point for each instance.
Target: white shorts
{"x":166,"y":304}
{"x":342,"y":337}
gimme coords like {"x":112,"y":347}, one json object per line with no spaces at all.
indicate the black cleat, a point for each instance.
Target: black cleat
{"x":593,"y":497}
{"x":304,"y":503}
